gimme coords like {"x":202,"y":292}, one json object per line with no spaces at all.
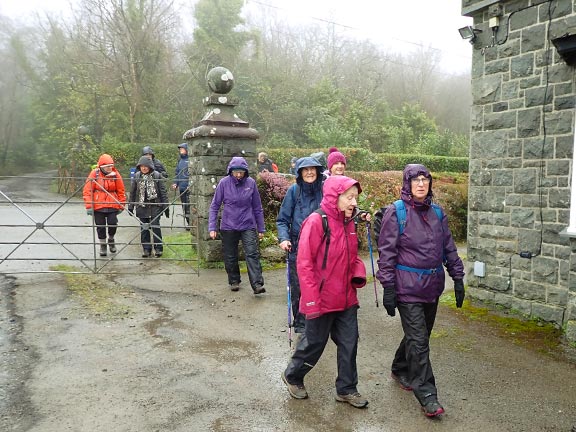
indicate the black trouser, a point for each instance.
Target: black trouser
{"x":148,"y":224}
{"x":299,"y":319}
{"x":185,"y":200}
{"x":230,"y":240}
{"x":412,"y":357}
{"x":342,"y":327}
{"x":101,"y":219}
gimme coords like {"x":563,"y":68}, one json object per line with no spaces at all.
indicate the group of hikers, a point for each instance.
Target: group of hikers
{"x":317,"y":227}
{"x":105,"y":198}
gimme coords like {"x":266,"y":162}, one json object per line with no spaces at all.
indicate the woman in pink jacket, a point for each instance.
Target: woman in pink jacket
{"x":329,"y":271}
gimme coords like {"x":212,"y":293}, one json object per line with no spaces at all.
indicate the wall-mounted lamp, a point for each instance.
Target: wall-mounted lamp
{"x":566,"y":47}
{"x":469,"y":33}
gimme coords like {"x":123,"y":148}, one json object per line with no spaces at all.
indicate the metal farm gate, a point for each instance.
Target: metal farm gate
{"x":44,"y":228}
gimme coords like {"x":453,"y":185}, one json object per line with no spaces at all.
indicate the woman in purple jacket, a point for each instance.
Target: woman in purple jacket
{"x":242,"y":219}
{"x":410,"y":268}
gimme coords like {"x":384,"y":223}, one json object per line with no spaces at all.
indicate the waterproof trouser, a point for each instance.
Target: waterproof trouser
{"x":230,"y":240}
{"x":412,"y":358}
{"x":105,"y":220}
{"x":148,"y":241}
{"x":185,"y":200}
{"x":342,"y":327}
{"x":299,"y":319}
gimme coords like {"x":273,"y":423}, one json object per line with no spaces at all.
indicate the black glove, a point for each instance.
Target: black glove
{"x":389,"y":300}
{"x":167,"y":212}
{"x":459,"y":292}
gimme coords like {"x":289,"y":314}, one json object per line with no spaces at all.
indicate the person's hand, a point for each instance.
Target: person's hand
{"x":89,"y":212}
{"x":213,"y":235}
{"x":167,"y":212}
{"x":260,"y":236}
{"x":174,"y":186}
{"x":286,"y":245}
{"x":389,"y":300}
{"x":459,"y":292}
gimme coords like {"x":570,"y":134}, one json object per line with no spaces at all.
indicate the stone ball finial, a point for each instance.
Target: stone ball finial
{"x":220,"y":80}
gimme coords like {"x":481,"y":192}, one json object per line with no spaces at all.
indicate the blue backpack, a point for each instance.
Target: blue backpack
{"x":400,"y":215}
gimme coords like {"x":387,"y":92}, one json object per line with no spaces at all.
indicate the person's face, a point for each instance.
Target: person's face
{"x":348,"y":200}
{"x":106,"y":169}
{"x":309,"y":174}
{"x":183,"y":151}
{"x":144,"y":169}
{"x":238,"y":174}
{"x":420,"y":187}
{"x":261,"y":158}
{"x":338,"y":168}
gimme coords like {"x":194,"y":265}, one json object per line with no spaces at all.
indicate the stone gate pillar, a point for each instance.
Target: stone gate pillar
{"x":213,"y":141}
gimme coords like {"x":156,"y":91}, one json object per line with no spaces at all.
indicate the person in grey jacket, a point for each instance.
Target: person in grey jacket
{"x":411,"y":270}
{"x":148,"y":199}
{"x":242,"y":219}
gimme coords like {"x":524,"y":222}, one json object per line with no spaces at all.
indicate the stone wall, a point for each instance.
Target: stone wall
{"x":521,"y":150}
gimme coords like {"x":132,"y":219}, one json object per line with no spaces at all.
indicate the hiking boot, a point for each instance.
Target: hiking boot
{"x":297,"y":391}
{"x":112,"y":245}
{"x":354,"y":399}
{"x":146,"y":253}
{"x":259,"y":289}
{"x":432,"y":408}
{"x":234,"y":287}
{"x":402,"y":381}
{"x":158,"y":254}
{"x":103,"y":248}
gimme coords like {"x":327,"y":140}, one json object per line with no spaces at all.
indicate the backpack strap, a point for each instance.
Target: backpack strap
{"x":326,"y":236}
{"x":400,"y":214}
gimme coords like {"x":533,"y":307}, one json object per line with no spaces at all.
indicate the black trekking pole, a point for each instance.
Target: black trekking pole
{"x":289,"y":300}
{"x":368,"y":229}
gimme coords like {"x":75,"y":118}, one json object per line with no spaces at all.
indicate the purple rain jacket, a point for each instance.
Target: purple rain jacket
{"x":422,"y":245}
{"x":242,"y":206}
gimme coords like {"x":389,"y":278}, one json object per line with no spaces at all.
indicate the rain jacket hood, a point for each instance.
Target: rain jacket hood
{"x":334,"y":186}
{"x":147,"y":162}
{"x":238,"y":162}
{"x":306,"y":162}
{"x":105,"y":159}
{"x":411,"y":171}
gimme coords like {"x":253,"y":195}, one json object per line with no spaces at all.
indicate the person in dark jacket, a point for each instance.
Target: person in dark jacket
{"x":242,"y":219}
{"x":293,"y":169}
{"x":104,"y":197}
{"x":301,"y":199}
{"x":329,"y":278}
{"x":148,"y":200}
{"x":158,"y":166}
{"x":181,"y":182}
{"x":410,"y":268}
{"x":264,"y":164}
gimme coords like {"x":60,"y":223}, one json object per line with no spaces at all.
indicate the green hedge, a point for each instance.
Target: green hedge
{"x":365,"y":160}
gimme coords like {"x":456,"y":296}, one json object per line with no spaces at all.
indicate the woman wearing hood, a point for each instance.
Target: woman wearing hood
{"x":148,"y":195}
{"x":410,"y":268}
{"x":104,"y":197}
{"x":330,"y":272}
{"x":242,"y":219}
{"x":301,"y":199}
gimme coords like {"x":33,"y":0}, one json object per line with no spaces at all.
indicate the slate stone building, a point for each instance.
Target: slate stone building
{"x":522,"y":195}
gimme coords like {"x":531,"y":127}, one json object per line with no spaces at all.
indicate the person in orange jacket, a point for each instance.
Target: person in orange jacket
{"x":104,"y":197}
